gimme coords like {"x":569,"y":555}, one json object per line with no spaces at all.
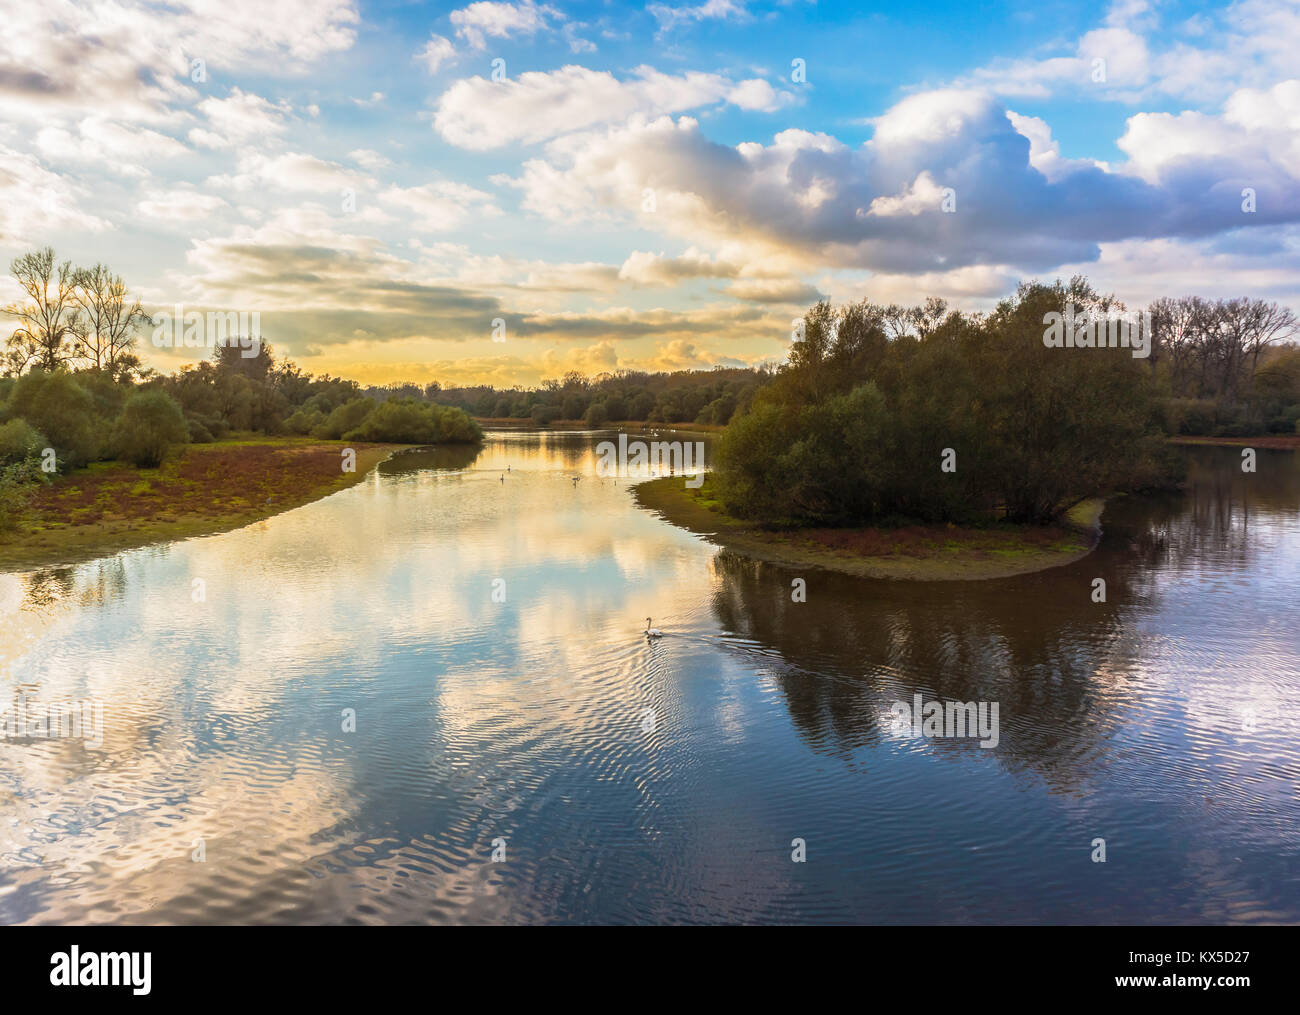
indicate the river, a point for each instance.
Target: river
{"x":427,"y":698}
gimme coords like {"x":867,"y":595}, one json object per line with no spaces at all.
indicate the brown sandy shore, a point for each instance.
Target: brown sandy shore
{"x":202,"y":489}
{"x":914,"y":553}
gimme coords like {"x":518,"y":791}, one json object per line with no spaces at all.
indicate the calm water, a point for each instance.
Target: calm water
{"x":1162,"y":720}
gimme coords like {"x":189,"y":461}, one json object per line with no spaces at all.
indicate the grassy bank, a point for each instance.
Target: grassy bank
{"x":916,"y":552}
{"x":201,"y":489}
{"x":1276,"y":441}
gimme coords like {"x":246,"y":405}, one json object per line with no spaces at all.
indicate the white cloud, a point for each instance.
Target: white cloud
{"x":479,"y":21}
{"x":645,"y":268}
{"x":35,"y":201}
{"x":437,"y":51}
{"x":478,"y":114}
{"x":1017,"y":202}
{"x":1255,"y":142}
{"x":239,"y":117}
{"x":367,"y":158}
{"x":440,"y":206}
{"x":87,"y":57}
{"x":291,"y":171}
{"x":179,"y":204}
{"x":669,"y":16}
{"x":108,"y":145}
{"x":1249,"y":43}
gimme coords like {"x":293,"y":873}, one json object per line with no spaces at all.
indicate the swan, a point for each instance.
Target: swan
{"x":652,"y":632}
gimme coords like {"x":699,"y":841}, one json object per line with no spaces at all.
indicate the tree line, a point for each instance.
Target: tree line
{"x":927,"y":413}
{"x":878,"y":383}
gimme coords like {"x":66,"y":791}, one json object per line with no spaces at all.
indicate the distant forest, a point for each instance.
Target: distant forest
{"x":683,"y":396}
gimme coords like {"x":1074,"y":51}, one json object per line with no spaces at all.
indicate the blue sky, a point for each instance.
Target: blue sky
{"x":641,"y":186}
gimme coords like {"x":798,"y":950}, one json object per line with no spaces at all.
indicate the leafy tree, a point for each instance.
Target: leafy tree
{"x":59,"y":407}
{"x":19,"y":441}
{"x":151,"y":422}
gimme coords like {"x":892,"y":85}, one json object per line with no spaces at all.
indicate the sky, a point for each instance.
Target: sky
{"x":502,"y":192}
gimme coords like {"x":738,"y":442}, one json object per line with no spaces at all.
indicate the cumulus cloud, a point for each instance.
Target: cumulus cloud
{"x":949,"y":179}
{"x":437,"y":51}
{"x":477,"y":113}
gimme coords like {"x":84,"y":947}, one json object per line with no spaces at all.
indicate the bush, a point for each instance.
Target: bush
{"x":17,"y":484}
{"x":544,"y":415}
{"x":398,"y":421}
{"x":150,"y":424}
{"x":1191,"y":417}
{"x":19,"y":441}
{"x":304,"y":420}
{"x":60,"y":408}
{"x":198,"y":431}
{"x":344,"y":418}
{"x":596,"y":415}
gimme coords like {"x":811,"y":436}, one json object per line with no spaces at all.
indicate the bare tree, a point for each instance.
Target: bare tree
{"x":49,"y":325}
{"x":1266,"y":324}
{"x":109,"y":319}
{"x":1214,"y":346}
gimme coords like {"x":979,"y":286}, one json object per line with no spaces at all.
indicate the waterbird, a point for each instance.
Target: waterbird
{"x":652,"y":632}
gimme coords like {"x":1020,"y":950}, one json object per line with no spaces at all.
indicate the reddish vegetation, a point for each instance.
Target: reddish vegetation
{"x":216,"y":481}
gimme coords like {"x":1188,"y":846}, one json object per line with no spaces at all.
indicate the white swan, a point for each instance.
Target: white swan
{"x":652,"y":632}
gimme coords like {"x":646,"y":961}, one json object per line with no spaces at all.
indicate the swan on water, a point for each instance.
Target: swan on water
{"x":652,"y":632}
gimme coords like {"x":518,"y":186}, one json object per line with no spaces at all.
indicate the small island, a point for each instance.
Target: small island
{"x":932,"y":445}
{"x":908,"y":552}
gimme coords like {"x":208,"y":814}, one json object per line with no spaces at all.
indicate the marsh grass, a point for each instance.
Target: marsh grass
{"x":202,"y":488}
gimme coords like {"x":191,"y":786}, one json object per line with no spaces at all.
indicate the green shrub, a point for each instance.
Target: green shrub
{"x":344,"y":419}
{"x":597,"y":415}
{"x":19,"y":440}
{"x":304,"y":420}
{"x":397,"y":421}
{"x":198,"y":431}
{"x":17,"y":486}
{"x":455,"y":426}
{"x":57,"y":406}
{"x":151,"y":422}
{"x":407,"y":421}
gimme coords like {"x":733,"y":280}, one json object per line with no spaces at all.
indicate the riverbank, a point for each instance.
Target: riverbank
{"x":911,"y":553}
{"x":202,"y":489}
{"x":1274,"y":441}
{"x":626,"y":425}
